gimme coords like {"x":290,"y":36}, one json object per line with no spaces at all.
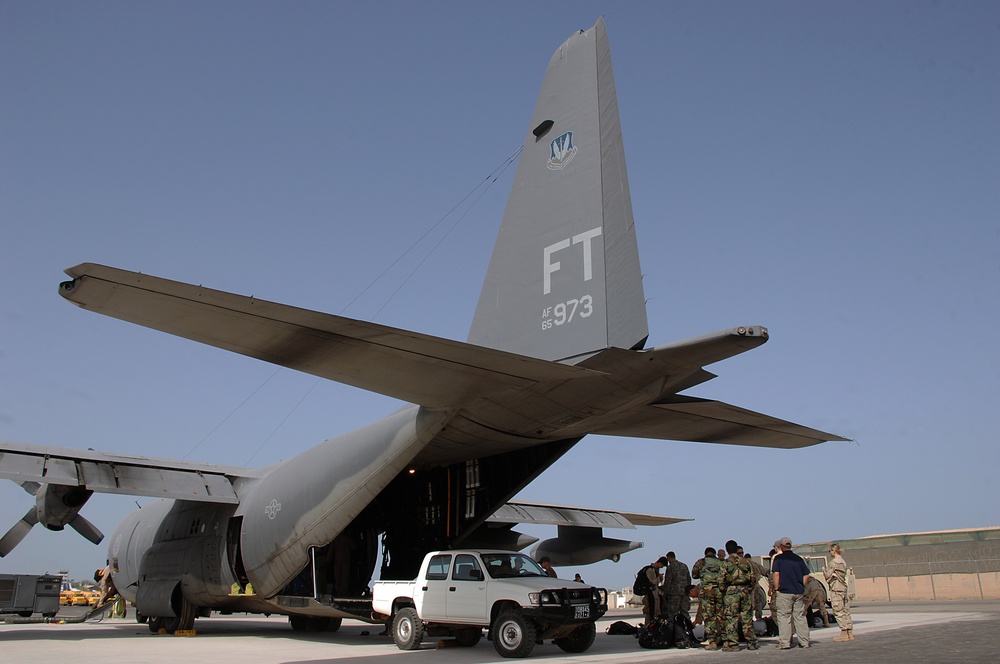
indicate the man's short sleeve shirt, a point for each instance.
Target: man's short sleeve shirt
{"x":792,"y":569}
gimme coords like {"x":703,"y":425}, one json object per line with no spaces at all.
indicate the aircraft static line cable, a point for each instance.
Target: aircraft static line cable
{"x":285,"y":419}
{"x":231,"y":413}
{"x":491,"y":178}
{"x":502,"y":168}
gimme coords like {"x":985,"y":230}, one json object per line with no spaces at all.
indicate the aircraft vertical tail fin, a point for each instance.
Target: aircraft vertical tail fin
{"x":564,"y":280}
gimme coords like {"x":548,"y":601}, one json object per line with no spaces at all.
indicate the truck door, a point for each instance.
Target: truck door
{"x":467,"y":601}
{"x":431,"y":593}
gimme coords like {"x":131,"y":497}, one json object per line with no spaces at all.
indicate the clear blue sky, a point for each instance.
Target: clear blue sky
{"x":829,"y":170}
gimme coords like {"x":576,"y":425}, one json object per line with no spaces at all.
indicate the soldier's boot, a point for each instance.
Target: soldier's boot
{"x":845,"y":635}
{"x":826,"y":619}
{"x":850,"y":634}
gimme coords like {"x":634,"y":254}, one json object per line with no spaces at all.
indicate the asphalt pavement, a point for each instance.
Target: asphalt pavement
{"x":914,"y":633}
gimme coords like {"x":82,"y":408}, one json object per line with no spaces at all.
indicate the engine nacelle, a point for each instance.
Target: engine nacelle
{"x":57,"y":505}
{"x":583,"y":549}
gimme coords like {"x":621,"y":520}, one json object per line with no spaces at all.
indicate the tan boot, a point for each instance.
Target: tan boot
{"x":845,"y":635}
{"x":850,"y":634}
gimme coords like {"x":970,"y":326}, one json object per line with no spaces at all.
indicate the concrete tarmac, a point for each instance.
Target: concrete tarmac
{"x":914,"y":633}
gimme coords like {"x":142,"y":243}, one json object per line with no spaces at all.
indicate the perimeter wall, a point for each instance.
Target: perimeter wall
{"x":943,"y":565}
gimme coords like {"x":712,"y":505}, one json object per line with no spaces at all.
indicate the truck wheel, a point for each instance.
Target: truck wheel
{"x":468,"y":637}
{"x":407,"y":629}
{"x":513,"y":634}
{"x":580,"y":641}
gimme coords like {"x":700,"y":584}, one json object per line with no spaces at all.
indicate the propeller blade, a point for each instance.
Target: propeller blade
{"x":31,"y":487}
{"x":17,"y":532}
{"x":87,"y":529}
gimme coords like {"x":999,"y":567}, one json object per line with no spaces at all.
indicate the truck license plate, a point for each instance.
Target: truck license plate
{"x":582,"y":611}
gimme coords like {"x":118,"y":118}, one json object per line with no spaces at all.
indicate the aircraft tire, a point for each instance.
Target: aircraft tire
{"x":580,"y":641}
{"x":184,"y":621}
{"x":335,"y":624}
{"x":310,"y":623}
{"x":407,"y":629}
{"x":154,"y":624}
{"x":513,"y":634}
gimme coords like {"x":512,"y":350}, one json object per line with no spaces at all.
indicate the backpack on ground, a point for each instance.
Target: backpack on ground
{"x":642,"y":584}
{"x":622,"y":627}
{"x":683,"y":631}
{"x":658,"y":634}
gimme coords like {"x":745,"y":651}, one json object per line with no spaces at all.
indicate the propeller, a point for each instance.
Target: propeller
{"x":56,"y":506}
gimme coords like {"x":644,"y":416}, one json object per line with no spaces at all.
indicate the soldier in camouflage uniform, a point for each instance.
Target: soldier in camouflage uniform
{"x":836,"y":576}
{"x":676,"y":579}
{"x":738,"y":579}
{"x":709,"y":569}
{"x":772,"y":592}
{"x":759,"y":596}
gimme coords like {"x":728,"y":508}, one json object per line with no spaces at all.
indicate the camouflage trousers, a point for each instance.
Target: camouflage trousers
{"x":738,"y":610}
{"x":841,"y":612}
{"x":675,"y":604}
{"x":711,"y":612}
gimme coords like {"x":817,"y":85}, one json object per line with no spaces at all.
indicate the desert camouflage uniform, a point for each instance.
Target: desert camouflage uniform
{"x":709,"y":569}
{"x":651,"y":602}
{"x":738,"y":579}
{"x":836,"y":576}
{"x":815,"y":597}
{"x":759,"y":595}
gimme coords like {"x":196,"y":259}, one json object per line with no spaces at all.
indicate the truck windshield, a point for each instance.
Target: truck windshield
{"x":508,"y":565}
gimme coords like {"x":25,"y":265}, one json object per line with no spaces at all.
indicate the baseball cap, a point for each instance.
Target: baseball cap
{"x":784,"y":541}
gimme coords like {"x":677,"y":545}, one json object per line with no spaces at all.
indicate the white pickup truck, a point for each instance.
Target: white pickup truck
{"x":458,"y":593}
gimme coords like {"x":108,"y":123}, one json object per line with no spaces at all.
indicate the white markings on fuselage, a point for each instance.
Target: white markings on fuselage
{"x":272,"y":508}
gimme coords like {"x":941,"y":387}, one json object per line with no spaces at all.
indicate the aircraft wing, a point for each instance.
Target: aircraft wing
{"x":417,"y":368}
{"x":583,"y":517}
{"x":706,"y":421}
{"x":120,"y":473}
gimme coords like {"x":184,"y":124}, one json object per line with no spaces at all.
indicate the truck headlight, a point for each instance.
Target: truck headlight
{"x":545,"y":598}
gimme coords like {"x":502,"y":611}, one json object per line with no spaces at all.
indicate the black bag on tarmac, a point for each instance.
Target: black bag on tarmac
{"x":622,"y":627}
{"x":683,"y":631}
{"x":658,"y":634}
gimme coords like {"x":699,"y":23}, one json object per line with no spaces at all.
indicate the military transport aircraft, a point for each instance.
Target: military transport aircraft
{"x":556,"y":351}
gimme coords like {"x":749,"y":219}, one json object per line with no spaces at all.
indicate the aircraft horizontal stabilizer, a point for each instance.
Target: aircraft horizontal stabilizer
{"x":421,"y":369}
{"x":705,"y":421}
{"x":581,"y":540}
{"x":584,"y":517}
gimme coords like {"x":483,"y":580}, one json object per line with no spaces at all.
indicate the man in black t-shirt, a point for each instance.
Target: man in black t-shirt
{"x":790,"y":576}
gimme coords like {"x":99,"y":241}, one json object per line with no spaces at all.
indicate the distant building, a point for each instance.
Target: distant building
{"x":940,"y":565}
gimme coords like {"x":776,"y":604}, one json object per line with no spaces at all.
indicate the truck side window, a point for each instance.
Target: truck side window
{"x":437,"y":568}
{"x":467,"y":568}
